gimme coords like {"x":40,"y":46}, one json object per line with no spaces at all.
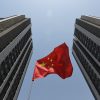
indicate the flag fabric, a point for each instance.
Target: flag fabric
{"x":57,"y":62}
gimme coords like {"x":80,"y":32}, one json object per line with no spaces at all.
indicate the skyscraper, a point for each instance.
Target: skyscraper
{"x":15,"y":54}
{"x":86,"y":50}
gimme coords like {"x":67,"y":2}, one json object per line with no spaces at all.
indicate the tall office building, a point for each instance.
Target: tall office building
{"x":86,"y":50}
{"x":15,"y":54}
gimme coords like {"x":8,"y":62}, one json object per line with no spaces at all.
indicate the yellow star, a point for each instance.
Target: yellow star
{"x":43,"y":64}
{"x":52,"y":65}
{"x":51,"y":60}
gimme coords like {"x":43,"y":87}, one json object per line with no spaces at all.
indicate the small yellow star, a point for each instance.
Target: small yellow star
{"x":51,"y":60}
{"x":52,"y":65}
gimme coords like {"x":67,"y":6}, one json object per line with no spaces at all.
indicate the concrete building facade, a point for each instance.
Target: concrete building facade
{"x":15,"y":53}
{"x":86,"y":50}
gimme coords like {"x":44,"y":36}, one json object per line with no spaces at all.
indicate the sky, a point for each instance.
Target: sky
{"x":52,"y":24}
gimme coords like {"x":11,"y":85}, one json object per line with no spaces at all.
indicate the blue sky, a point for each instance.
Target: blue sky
{"x":52,"y":24}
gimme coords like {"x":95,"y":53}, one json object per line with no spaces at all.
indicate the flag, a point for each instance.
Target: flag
{"x":57,"y":62}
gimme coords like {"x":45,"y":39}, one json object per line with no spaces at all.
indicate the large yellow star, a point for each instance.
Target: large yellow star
{"x":43,"y":64}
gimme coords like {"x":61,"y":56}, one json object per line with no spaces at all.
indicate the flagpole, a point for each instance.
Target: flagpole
{"x":29,"y":94}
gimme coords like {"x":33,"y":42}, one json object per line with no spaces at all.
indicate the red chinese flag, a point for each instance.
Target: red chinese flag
{"x":57,"y":62}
